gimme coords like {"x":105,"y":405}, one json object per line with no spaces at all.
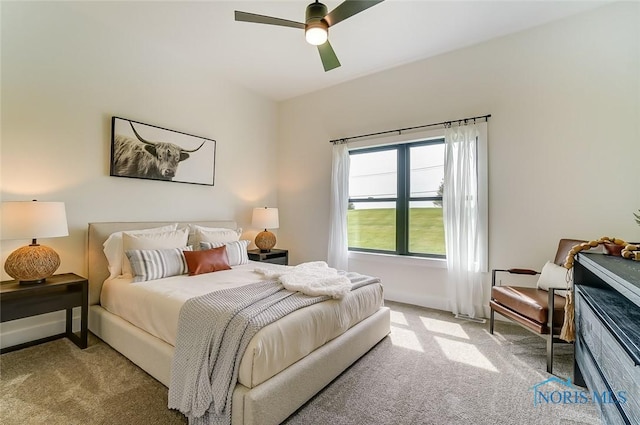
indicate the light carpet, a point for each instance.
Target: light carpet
{"x":432,"y":369}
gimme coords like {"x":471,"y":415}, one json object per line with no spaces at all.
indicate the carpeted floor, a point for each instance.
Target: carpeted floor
{"x":432,"y":369}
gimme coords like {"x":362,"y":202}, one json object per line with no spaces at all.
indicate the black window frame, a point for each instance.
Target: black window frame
{"x":403,"y":198}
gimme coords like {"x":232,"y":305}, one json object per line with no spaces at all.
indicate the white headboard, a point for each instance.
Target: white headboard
{"x":98,"y":234}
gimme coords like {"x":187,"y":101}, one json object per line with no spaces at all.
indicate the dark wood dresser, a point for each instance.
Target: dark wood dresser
{"x":607,"y":347}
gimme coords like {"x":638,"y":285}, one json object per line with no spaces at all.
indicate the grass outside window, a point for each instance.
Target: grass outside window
{"x":375,"y":229}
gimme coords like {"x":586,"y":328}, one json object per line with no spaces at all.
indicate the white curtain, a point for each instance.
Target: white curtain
{"x":464,"y":212}
{"x":338,"y":254}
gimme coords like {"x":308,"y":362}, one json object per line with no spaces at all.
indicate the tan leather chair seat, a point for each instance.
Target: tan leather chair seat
{"x":529,"y":302}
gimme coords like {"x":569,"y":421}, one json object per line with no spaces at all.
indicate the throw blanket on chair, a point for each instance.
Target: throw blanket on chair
{"x":213,"y":333}
{"x":313,"y":278}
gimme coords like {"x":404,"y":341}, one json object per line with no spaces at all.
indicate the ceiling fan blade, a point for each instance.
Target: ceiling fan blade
{"x":347,"y":9}
{"x":328,"y":56}
{"x":269,"y":20}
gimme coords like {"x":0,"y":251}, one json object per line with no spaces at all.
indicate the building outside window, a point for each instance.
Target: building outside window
{"x":395,"y":199}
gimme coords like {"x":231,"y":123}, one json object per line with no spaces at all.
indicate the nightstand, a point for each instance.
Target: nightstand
{"x":59,"y":292}
{"x":275,"y":256}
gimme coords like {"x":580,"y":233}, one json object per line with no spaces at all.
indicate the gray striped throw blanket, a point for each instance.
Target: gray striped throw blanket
{"x":213,"y":333}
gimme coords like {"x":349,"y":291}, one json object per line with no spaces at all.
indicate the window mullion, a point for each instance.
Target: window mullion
{"x":402,"y":210}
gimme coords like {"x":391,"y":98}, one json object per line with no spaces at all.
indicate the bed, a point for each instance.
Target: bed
{"x":261,"y":396}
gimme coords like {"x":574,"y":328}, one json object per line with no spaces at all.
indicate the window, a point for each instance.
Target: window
{"x":395,"y":199}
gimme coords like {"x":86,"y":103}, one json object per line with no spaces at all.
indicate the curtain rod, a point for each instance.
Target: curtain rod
{"x":400,"y":130}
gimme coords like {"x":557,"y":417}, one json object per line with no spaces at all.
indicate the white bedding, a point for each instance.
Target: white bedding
{"x":155,"y":306}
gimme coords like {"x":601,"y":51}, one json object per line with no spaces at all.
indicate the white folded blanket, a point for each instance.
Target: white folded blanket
{"x":312,"y":278}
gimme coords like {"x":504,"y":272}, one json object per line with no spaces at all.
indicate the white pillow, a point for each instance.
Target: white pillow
{"x":195,"y":227}
{"x":555,"y":276}
{"x":236,"y":250}
{"x":174,"y":239}
{"x":114,"y":252}
{"x":214,"y":234}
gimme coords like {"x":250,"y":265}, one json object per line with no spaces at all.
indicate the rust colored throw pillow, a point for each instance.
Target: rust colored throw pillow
{"x":207,"y":261}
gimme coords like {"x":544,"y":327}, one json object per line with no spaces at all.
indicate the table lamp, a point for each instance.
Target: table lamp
{"x":33,"y":263}
{"x":265,"y":218}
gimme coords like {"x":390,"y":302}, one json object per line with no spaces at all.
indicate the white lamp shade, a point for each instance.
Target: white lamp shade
{"x":265,"y":218}
{"x":33,"y":220}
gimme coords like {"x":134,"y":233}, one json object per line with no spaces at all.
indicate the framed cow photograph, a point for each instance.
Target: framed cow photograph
{"x":144,"y":151}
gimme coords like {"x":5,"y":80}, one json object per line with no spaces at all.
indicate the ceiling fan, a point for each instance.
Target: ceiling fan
{"x":316,"y":26}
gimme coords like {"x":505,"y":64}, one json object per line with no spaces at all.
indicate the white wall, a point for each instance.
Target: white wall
{"x":564,"y":141}
{"x":64,"y":75}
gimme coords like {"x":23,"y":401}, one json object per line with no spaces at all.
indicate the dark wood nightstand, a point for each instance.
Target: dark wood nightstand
{"x":59,"y":292}
{"x":275,"y":256}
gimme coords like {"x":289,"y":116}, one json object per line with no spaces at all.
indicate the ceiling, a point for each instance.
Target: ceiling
{"x":278,"y":63}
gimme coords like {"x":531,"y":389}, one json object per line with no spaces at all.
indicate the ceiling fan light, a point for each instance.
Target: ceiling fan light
{"x":316,"y":33}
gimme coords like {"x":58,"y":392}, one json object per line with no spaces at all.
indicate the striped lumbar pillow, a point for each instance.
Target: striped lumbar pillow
{"x":150,"y":264}
{"x":236,"y":251}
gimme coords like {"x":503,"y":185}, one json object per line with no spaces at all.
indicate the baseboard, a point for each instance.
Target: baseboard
{"x":435,"y":303}
{"x":419,"y":300}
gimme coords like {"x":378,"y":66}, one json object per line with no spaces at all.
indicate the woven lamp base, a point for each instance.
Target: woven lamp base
{"x":265,"y":240}
{"x":32,"y":264}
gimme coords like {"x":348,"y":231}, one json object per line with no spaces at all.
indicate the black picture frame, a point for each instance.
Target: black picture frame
{"x":144,"y":151}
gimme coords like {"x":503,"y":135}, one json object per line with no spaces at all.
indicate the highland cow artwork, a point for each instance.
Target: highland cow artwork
{"x":148,"y":152}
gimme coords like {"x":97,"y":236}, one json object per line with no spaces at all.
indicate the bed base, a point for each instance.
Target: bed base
{"x":275,"y":399}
